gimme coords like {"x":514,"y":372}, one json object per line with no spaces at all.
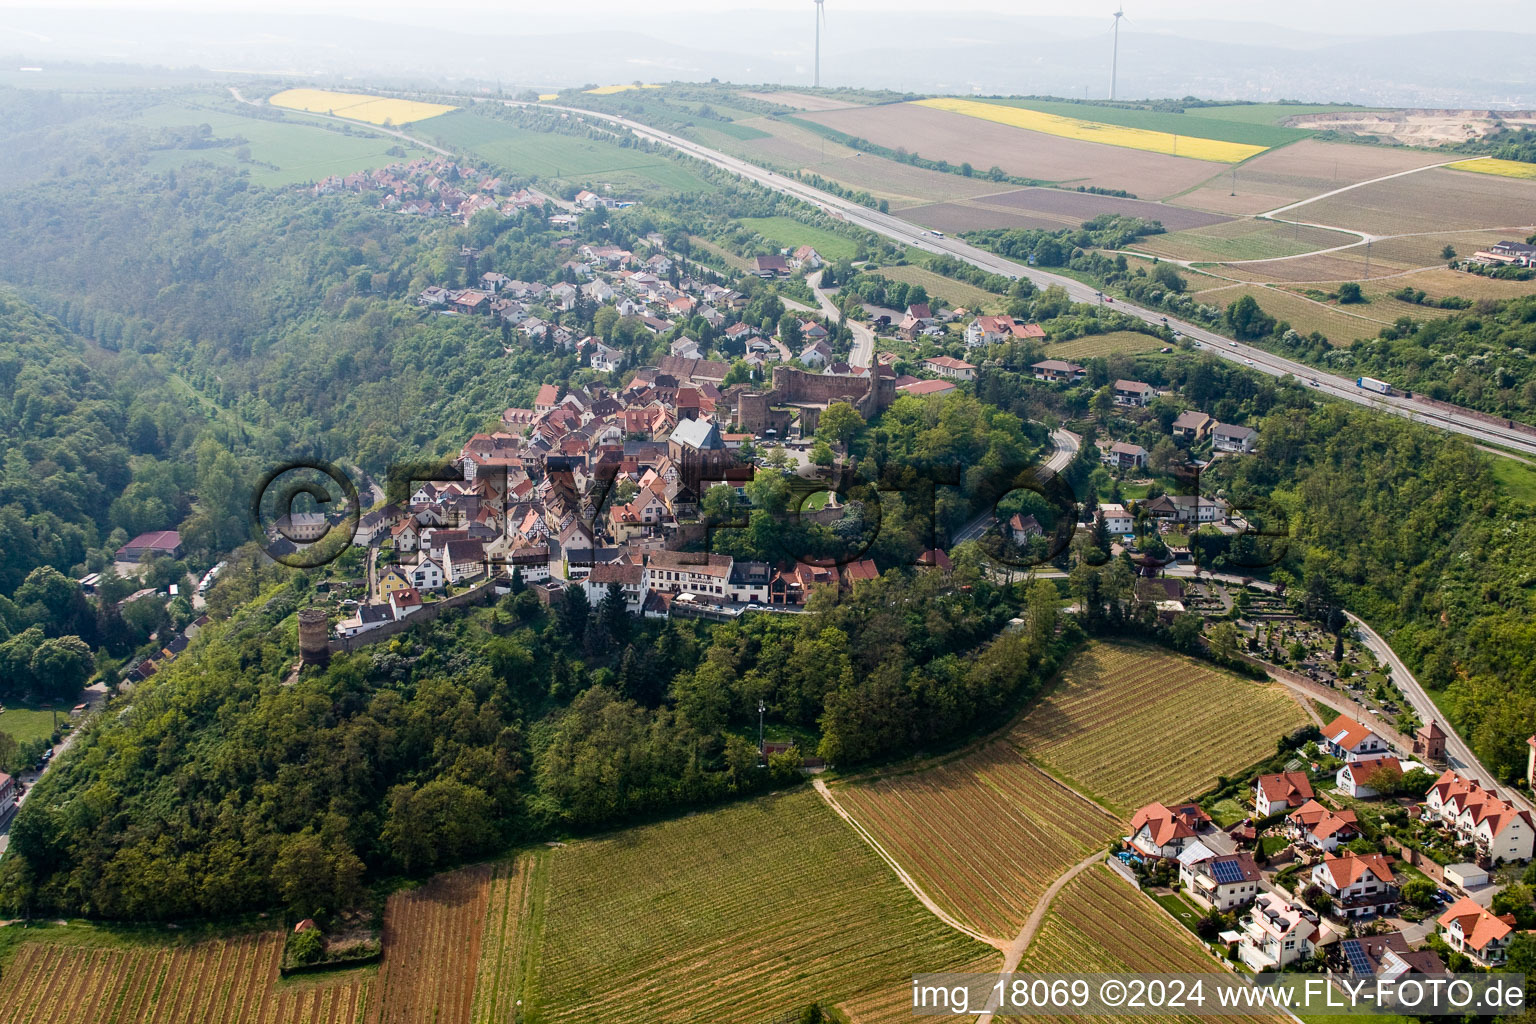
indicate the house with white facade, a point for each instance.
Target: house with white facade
{"x":1275,"y":793}
{"x":1350,"y":740}
{"x":1134,"y":393}
{"x":1227,"y":437}
{"x":1321,"y":828}
{"x":1276,"y":934}
{"x":1159,"y":832}
{"x":1117,"y":519}
{"x":1220,"y":881}
{"x":1361,"y":886}
{"x":1498,"y":829}
{"x":1470,"y":928}
{"x":427,"y":574}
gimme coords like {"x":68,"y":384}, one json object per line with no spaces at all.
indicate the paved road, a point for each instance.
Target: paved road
{"x":863,"y":352}
{"x":1067,"y":444}
{"x":1458,"y":754}
{"x":909,"y":234}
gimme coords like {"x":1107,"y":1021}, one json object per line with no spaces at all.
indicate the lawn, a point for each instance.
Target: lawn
{"x":275,"y":152}
{"x":29,"y":723}
{"x":1516,"y":479}
{"x":1326,"y":713}
{"x":742,"y":913}
{"x":788,"y":233}
{"x":1203,"y":123}
{"x":1075,"y":125}
{"x":984,"y":834}
{"x":1186,"y":912}
{"x":1227,"y":812}
{"x":552,"y":156}
{"x":1129,"y":724}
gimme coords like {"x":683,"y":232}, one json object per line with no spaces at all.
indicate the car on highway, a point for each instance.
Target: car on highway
{"x":1232,"y":344}
{"x":1314,"y":383}
{"x":1248,"y":362}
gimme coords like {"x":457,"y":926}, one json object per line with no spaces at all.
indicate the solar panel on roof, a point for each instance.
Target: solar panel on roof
{"x":1226,"y":872}
{"x":1359,"y":963}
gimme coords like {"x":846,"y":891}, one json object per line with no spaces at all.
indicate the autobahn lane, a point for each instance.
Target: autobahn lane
{"x":906,"y":233}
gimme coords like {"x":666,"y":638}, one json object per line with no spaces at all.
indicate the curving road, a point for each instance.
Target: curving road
{"x":906,"y":233}
{"x":1067,"y":444}
{"x":863,"y":351}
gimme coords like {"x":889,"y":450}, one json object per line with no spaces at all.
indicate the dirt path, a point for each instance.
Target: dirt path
{"x":1014,"y":951}
{"x":901,"y":873}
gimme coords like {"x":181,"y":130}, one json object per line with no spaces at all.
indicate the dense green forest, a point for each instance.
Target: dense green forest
{"x":220,"y":788}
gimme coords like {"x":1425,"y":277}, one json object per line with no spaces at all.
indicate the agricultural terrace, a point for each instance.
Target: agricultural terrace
{"x":984,"y":835}
{"x":1129,"y":724}
{"x":788,"y":233}
{"x":358,"y":106}
{"x":232,"y":980}
{"x":1113,"y":343}
{"x":432,"y":938}
{"x":1098,"y":131}
{"x":1101,"y":923}
{"x":1503,"y":168}
{"x":511,"y":916}
{"x":737,"y":914}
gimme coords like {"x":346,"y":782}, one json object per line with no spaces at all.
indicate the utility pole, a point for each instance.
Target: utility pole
{"x":762,"y":749}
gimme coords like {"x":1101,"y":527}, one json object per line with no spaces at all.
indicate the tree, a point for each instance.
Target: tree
{"x":1224,"y":640}
{"x":1448,"y":253}
{"x":789,"y":330}
{"x":60,"y":667}
{"x":574,"y":613}
{"x":1520,"y":954}
{"x":821,"y":454}
{"x":1516,"y":899}
{"x":1349,"y":292}
{"x":839,"y":424}
{"x":1419,"y":892}
{"x":1247,"y":320}
{"x":1164,"y":456}
{"x":307,"y":947}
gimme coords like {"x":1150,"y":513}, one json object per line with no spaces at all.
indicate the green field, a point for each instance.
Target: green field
{"x":788,"y":233}
{"x":1516,"y":479}
{"x":1250,"y":133}
{"x":550,"y":156}
{"x":29,"y":723}
{"x":286,"y":152}
{"x":958,"y":292}
{"x":748,"y":912}
{"x":1104,"y":345}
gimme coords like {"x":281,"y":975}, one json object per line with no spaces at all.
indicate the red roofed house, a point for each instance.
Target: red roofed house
{"x":1322,"y":828}
{"x":1275,"y":793}
{"x":548,"y":396}
{"x":157,"y":543}
{"x":1354,"y":776}
{"x":1470,"y":929}
{"x":1348,"y":740}
{"x":994,"y":330}
{"x":1158,"y":831}
{"x":1498,"y":829}
{"x":948,"y":366}
{"x":1360,"y":886}
{"x":927,"y":387}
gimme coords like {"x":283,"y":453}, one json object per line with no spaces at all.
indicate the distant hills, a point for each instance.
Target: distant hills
{"x":921,"y":52}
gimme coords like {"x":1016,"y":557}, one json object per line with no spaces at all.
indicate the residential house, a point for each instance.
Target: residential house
{"x":1361,"y":886}
{"x":749,"y":581}
{"x":548,"y":396}
{"x":1352,"y":779}
{"x":1322,"y":828}
{"x":688,"y":573}
{"x":1469,"y":928}
{"x":1056,"y":371}
{"x":369,"y":616}
{"x":927,"y":387}
{"x":947,"y":366}
{"x":395,"y":578}
{"x":604,"y":358}
{"x":1276,"y":793}
{"x":8,"y":795}
{"x":1349,"y":740}
{"x":1186,"y":508}
{"x":630,"y":578}
{"x":1276,"y":934}
{"x":1133,"y":393}
{"x":806,"y":257}
{"x":1117,"y":520}
{"x":426,"y":574}
{"x":406,"y":535}
{"x":994,"y":330}
{"x":1225,"y":437}
{"x":686,"y":348}
{"x":1191,"y":425}
{"x":1124,"y":455}
{"x":1498,"y":829}
{"x":770,"y":266}
{"x":1163,"y":832}
{"x":1223,"y":882}
{"x":154,"y":544}
{"x":817,"y":353}
{"x":1388,"y":957}
{"x":1022,"y":527}
{"x":404,"y":602}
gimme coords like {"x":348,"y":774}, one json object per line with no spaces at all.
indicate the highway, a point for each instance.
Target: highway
{"x":1066,"y":444}
{"x":906,"y":233}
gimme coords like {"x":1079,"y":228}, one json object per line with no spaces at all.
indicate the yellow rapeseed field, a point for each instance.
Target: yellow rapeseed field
{"x":609,"y":90}
{"x":1503,"y":168}
{"x":357,"y":106}
{"x":548,"y":96}
{"x":1095,"y":131}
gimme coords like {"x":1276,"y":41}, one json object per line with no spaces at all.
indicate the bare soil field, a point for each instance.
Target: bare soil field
{"x":1303,"y":169}
{"x":962,"y":216}
{"x":432,"y":939}
{"x":801,"y":100}
{"x":1081,"y":206}
{"x":941,"y":135}
{"x":1244,"y":239}
{"x":1416,"y":127}
{"x":1434,"y":200}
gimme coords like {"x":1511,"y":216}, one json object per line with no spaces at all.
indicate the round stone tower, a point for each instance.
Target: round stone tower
{"x":314,"y":637}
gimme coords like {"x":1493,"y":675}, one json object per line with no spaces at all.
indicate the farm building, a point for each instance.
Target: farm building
{"x":158,"y":544}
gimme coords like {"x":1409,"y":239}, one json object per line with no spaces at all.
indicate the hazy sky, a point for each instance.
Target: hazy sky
{"x":1327,"y":16}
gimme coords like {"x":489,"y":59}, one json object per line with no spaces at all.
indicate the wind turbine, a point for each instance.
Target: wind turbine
{"x":1114,"y":64}
{"x":821,"y":19}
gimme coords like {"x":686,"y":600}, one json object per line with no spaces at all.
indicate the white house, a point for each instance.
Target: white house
{"x":1469,"y":928}
{"x":426,"y":574}
{"x":1360,"y":886}
{"x":1321,"y":828}
{"x":1275,"y":793}
{"x":948,"y":366}
{"x":369,"y":616}
{"x":1158,"y":831}
{"x":1349,"y":740}
{"x":630,"y":578}
{"x":1133,"y":393}
{"x":605,"y":358}
{"x":1222,"y":881}
{"x":1117,"y":520}
{"x":1226,"y":437}
{"x":1499,"y":829}
{"x":1353,"y":776}
{"x":1276,"y":933}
